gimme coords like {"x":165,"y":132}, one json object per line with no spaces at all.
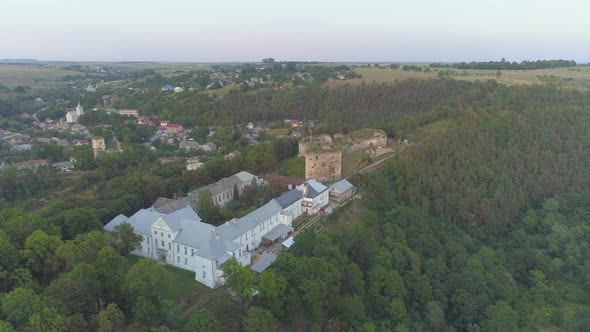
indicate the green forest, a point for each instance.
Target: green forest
{"x":481,"y":224}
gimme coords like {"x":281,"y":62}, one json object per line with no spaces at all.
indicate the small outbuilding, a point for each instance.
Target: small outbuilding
{"x":341,"y":190}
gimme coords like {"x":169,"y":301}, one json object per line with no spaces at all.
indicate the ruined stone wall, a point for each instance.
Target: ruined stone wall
{"x":323,"y":165}
{"x":302,"y":148}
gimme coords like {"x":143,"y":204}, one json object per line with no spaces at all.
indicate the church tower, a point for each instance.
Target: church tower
{"x":79,"y":109}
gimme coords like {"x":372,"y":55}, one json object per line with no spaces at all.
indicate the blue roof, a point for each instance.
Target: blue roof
{"x":167,"y":87}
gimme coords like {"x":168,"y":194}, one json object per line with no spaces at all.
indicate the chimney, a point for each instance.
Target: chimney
{"x":217,"y":237}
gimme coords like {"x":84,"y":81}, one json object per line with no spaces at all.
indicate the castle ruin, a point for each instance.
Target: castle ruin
{"x":324,"y":153}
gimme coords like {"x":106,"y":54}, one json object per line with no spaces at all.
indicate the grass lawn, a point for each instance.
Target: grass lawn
{"x":278,"y":131}
{"x":294,"y":166}
{"x":194,"y":296}
{"x":351,"y":162}
{"x":182,"y":282}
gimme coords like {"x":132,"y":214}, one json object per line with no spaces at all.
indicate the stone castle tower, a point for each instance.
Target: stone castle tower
{"x":323,"y":165}
{"x":98,"y":145}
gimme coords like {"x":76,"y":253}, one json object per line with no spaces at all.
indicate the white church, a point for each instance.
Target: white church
{"x":181,"y":239}
{"x":72,"y":116}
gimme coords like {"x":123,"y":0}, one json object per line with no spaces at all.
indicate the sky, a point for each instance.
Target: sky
{"x":304,"y":30}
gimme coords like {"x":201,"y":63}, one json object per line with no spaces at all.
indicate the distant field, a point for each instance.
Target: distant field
{"x":223,"y":91}
{"x":35,"y":77}
{"x":578,"y":77}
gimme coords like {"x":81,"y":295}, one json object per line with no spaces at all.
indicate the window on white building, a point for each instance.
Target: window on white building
{"x":185,"y":261}
{"x":148,"y":240}
{"x":163,"y":245}
{"x":148,"y":250}
{"x":204,"y":274}
{"x":253,"y":232}
{"x":185,"y":250}
{"x":240,"y":252}
{"x":162,"y":234}
{"x":192,"y":252}
{"x":169,"y":246}
{"x":178,"y":248}
{"x":177,"y":259}
{"x":156,"y":232}
{"x":168,"y":235}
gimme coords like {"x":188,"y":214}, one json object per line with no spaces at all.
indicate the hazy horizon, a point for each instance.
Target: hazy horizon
{"x":326,"y":31}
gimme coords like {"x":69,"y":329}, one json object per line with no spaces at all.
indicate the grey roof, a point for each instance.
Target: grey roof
{"x":190,"y":231}
{"x":225,"y":184}
{"x":143,"y":219}
{"x":315,"y":188}
{"x":160,"y":201}
{"x":236,"y":227}
{"x":264,"y":262}
{"x":278,"y":231}
{"x":115,"y":222}
{"x":289,"y":198}
{"x":66,"y":164}
{"x":167,"y":205}
{"x":189,"y":144}
{"x":341,"y":186}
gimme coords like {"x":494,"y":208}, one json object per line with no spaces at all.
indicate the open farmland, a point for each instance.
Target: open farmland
{"x":578,"y":77}
{"x":34,"y":77}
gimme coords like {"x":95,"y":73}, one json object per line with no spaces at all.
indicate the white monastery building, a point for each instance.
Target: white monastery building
{"x":174,"y":234}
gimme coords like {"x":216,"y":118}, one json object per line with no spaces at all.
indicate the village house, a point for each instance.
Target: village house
{"x":64,"y":166}
{"x":31,"y":164}
{"x":129,"y":112}
{"x":173,"y":127}
{"x":232,"y":155}
{"x":189,"y":145}
{"x":209,"y":147}
{"x":341,"y":190}
{"x":21,"y":147}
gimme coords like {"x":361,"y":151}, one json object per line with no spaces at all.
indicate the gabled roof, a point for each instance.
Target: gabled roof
{"x":189,"y":228}
{"x":170,"y":205}
{"x":289,"y":198}
{"x":278,"y":231}
{"x":275,"y":178}
{"x":234,"y":228}
{"x":264,"y":262}
{"x":225,"y":184}
{"x":341,"y":186}
{"x":315,"y":188}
